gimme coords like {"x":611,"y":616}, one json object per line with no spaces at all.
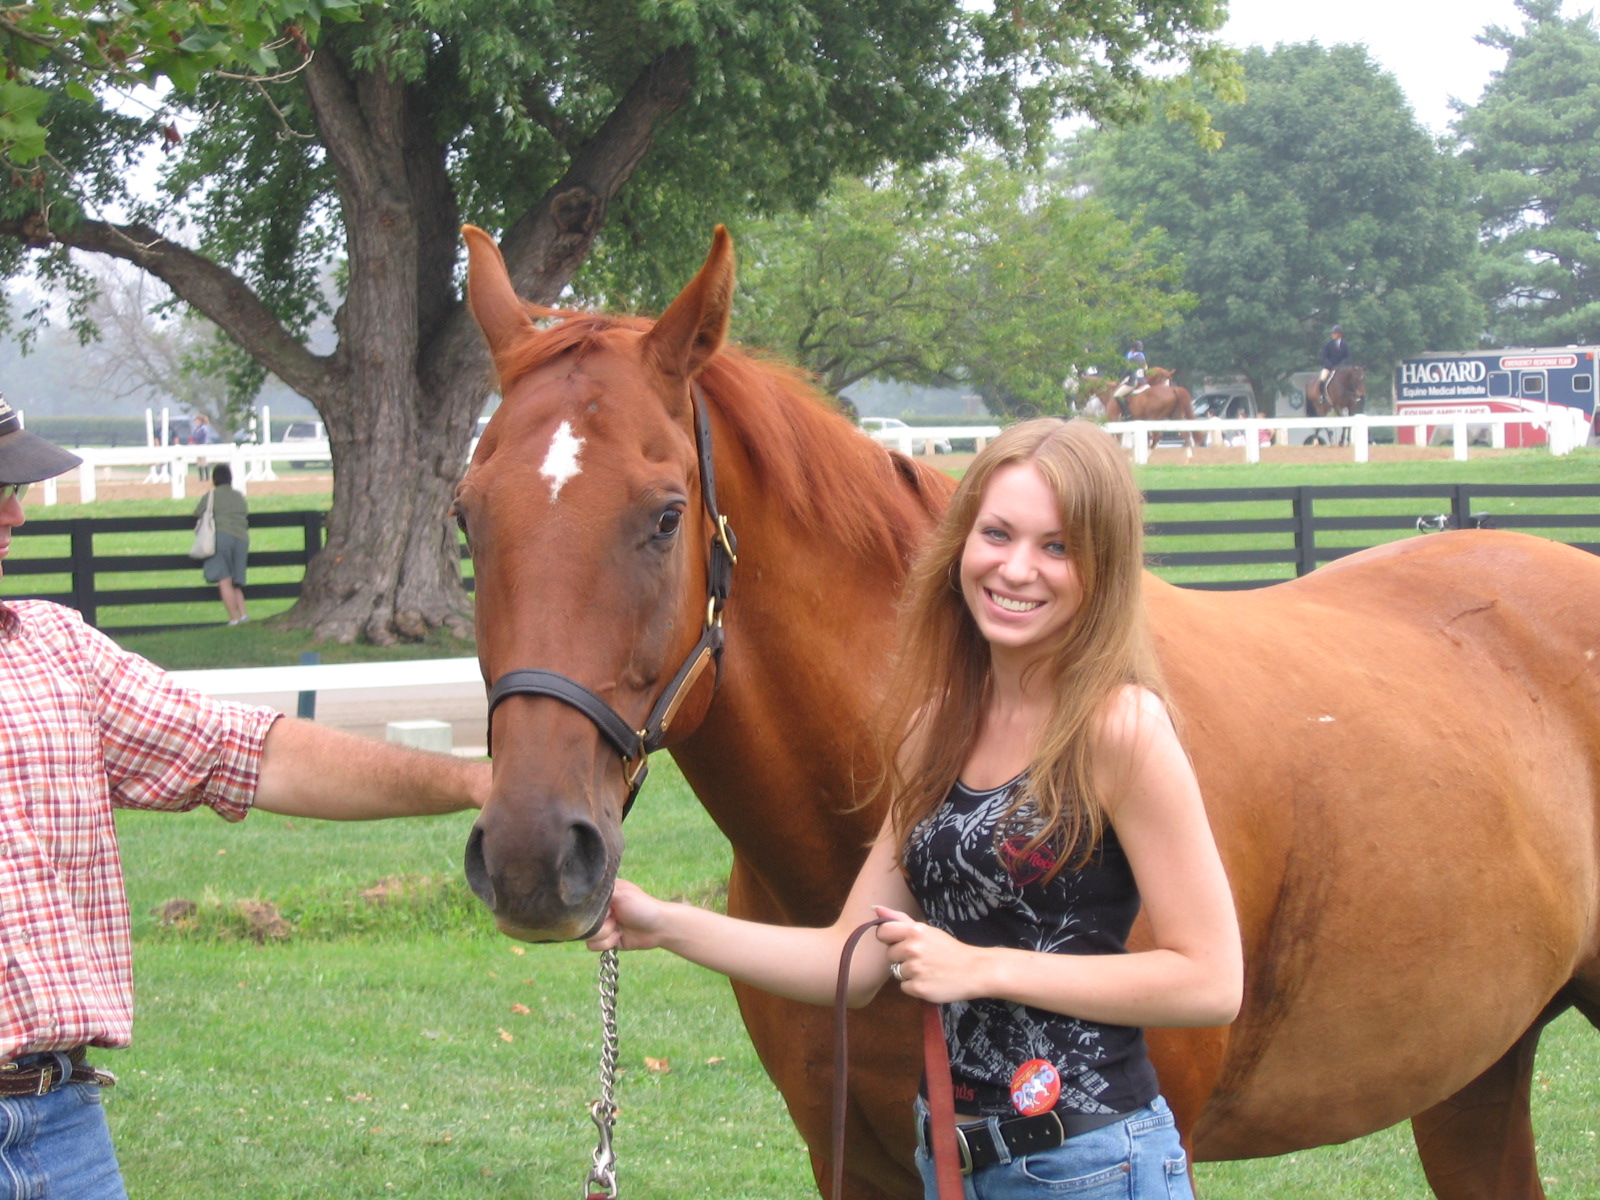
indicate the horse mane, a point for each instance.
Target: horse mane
{"x":806,"y":457}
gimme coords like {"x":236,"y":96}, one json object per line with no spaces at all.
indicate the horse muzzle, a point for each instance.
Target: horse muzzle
{"x":543,"y":881}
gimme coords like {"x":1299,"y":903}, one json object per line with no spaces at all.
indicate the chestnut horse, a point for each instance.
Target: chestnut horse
{"x":1345,"y":395}
{"x":1163,"y":400}
{"x":1414,"y":848}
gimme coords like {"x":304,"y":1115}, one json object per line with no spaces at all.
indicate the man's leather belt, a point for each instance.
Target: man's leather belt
{"x":36,"y":1074}
{"x":980,"y":1147}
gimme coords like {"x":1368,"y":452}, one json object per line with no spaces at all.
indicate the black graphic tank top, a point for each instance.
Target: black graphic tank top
{"x":967,"y":874}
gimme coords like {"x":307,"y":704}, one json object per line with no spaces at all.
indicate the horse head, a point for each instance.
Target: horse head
{"x":1159,"y":376}
{"x":1347,"y":390}
{"x":590,"y":524}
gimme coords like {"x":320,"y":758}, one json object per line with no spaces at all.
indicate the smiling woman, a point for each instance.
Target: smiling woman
{"x":1038,"y":799}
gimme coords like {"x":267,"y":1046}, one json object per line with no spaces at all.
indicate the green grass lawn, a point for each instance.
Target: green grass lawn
{"x":385,"y":1050}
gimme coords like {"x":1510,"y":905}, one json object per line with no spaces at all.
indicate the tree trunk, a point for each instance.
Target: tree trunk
{"x":401,"y":394}
{"x":391,"y":568}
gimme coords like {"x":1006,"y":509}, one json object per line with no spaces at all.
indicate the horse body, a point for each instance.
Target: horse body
{"x":1390,"y":847}
{"x":1413,"y":846}
{"x":1163,"y":400}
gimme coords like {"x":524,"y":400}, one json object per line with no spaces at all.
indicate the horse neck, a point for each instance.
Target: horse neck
{"x":784,"y":751}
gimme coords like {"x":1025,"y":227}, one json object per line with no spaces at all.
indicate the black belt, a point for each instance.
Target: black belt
{"x":982,"y":1145}
{"x":36,"y":1074}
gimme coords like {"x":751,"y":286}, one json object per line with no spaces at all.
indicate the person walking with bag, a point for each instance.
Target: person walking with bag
{"x":1037,"y":796}
{"x":225,"y":567}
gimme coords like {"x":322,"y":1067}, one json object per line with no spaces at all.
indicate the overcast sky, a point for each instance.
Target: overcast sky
{"x":1427,"y":45}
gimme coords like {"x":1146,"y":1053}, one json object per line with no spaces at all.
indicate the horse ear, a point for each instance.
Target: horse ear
{"x":695,"y":324}
{"x":500,"y":313}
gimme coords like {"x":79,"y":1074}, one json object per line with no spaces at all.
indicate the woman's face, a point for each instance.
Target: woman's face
{"x":1018,"y":576}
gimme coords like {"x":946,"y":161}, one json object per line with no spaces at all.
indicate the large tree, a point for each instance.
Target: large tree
{"x":567,"y":128}
{"x":1326,"y":203}
{"x":989,"y":276}
{"x":1534,"y":140}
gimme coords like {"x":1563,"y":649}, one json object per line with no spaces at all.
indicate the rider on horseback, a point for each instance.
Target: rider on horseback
{"x":1335,"y":353}
{"x":1132,"y":381}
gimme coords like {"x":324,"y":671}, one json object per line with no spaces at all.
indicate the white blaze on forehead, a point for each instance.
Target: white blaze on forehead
{"x":561,"y":461}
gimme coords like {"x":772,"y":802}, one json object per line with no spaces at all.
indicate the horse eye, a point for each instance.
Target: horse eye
{"x":667,"y":523}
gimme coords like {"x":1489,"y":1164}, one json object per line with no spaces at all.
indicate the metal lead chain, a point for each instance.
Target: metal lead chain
{"x":602,"y":1181}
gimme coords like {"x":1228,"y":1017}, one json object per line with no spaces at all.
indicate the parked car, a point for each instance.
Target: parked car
{"x":891,"y":427}
{"x":306,"y":431}
{"x":1232,"y":401}
{"x":1227,"y":401}
{"x":179,"y":431}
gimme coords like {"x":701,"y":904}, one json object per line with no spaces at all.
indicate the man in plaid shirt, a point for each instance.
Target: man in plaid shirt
{"x":86,"y":727}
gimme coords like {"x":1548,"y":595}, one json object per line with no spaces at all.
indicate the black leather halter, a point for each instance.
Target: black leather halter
{"x":636,"y":745}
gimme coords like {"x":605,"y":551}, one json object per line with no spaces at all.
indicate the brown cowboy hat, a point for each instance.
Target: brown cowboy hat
{"x":26,"y":457}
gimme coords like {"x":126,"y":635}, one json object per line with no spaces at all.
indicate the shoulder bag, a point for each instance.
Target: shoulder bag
{"x":205,"y":531}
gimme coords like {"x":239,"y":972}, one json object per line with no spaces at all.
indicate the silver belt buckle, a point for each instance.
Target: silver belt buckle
{"x":966,"y":1151}
{"x":1060,"y":1127}
{"x":925,"y":1143}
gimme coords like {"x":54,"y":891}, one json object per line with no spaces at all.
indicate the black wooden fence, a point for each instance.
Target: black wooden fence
{"x":1307,"y":529}
{"x":83,"y":565}
{"x":1298,"y":529}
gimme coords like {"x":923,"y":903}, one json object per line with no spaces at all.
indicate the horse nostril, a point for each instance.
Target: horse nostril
{"x":477,"y":871}
{"x":582,"y":864}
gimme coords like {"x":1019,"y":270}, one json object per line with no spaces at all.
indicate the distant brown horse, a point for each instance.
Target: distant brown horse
{"x":1163,"y":400}
{"x":1406,"y":803}
{"x":1345,"y":395}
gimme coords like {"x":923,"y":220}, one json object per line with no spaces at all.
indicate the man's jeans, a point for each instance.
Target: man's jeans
{"x":57,"y":1147}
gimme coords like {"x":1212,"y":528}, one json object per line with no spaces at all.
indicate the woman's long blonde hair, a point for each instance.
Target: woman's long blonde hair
{"x":941,"y":676}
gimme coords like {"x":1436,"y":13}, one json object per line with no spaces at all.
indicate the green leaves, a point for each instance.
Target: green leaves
{"x":78,"y":46}
{"x":21,"y":107}
{"x":981,"y":274}
{"x":1534,"y":141}
{"x":1325,"y":203}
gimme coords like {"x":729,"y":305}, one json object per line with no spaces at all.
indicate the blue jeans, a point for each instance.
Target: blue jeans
{"x":1138,"y":1158}
{"x":57,"y":1147}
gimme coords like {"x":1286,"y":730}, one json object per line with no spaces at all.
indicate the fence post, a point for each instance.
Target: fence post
{"x":83,"y":569}
{"x":1305,"y":533}
{"x":311,"y":527}
{"x":1461,"y":506}
{"x":307,"y":707}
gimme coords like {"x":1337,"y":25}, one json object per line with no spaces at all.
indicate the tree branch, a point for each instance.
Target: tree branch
{"x":548,"y":243}
{"x":218,"y":293}
{"x":545,"y":246}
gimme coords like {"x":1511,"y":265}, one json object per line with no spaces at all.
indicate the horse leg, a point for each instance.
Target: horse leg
{"x":1478,"y":1144}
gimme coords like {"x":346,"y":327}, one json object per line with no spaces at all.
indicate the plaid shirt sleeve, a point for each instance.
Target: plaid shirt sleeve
{"x":167,"y":747}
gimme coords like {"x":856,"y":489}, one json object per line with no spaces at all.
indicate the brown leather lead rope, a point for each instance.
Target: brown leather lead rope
{"x":936,"y":1065}
{"x":941,"y":1104}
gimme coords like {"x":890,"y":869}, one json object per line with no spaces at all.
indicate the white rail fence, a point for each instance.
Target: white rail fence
{"x":170,"y":464}
{"x":426,"y":683}
{"x":1565,"y":430}
{"x":327,"y":677}
{"x":903,"y":439}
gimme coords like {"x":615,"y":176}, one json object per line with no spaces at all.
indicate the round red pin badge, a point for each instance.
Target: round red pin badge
{"x":1035,"y":1087}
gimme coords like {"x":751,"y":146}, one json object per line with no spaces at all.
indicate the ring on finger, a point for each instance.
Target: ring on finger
{"x":894,"y":969}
